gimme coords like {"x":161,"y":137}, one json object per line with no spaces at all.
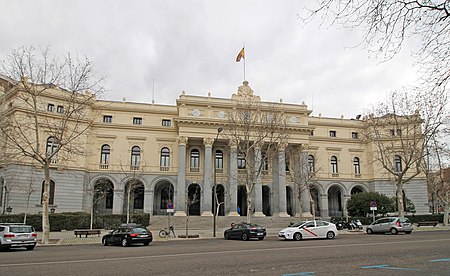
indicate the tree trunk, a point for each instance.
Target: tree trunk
{"x":128,"y":204}
{"x":400,"y":205}
{"x":249,"y":209}
{"x":45,"y":199}
{"x":92,"y":216}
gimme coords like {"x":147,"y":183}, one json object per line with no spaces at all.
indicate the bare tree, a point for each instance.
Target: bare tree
{"x":388,"y":24}
{"x":302,"y":173}
{"x":190,"y":200}
{"x":98,"y":192}
{"x":400,"y":131}
{"x":28,"y":190}
{"x":256,"y":129}
{"x":34,"y":133}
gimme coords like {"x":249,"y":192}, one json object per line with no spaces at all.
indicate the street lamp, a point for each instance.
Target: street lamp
{"x":219,"y":130}
{"x":52,"y":210}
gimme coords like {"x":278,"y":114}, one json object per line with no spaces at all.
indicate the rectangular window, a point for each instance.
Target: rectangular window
{"x":51,"y":107}
{"x":392,"y":131}
{"x":332,"y":133}
{"x":107,"y":118}
{"x":311,"y":133}
{"x":137,"y":121}
{"x":355,"y":135}
{"x":166,"y":122}
{"x":60,"y":109}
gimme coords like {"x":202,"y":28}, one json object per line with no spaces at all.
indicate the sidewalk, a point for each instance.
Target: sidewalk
{"x":68,"y":237}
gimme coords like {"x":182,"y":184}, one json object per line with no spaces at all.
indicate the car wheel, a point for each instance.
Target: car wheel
{"x":408,"y":232}
{"x":261,"y":238}
{"x":225,"y":235}
{"x":146,"y":243}
{"x":244,"y":237}
{"x":394,"y":231}
{"x":124,"y":242}
{"x":297,"y":236}
{"x":31,"y":247}
{"x":330,"y":235}
{"x":105,"y":242}
{"x":369,"y":231}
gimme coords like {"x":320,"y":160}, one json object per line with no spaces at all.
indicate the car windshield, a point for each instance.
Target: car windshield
{"x":21,"y":229}
{"x":139,"y":230}
{"x":252,"y":225}
{"x":297,"y":224}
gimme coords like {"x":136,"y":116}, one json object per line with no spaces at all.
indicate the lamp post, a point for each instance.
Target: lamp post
{"x":219,"y":130}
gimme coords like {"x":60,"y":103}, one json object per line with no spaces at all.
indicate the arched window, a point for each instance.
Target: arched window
{"x":311,"y":164}
{"x":135,"y":157}
{"x":164,"y":161}
{"x":219,"y":161}
{"x":265,"y":162}
{"x":105,"y":154}
{"x":356,"y":166}
{"x":52,"y":147}
{"x":195,"y":160}
{"x":398,"y":163}
{"x":241,"y":162}
{"x":334,"y":165}
{"x":51,"y":193}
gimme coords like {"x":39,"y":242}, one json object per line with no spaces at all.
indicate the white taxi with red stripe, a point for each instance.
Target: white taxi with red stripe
{"x":313,"y":229}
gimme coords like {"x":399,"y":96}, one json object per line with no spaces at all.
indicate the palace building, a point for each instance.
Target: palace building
{"x":167,"y":154}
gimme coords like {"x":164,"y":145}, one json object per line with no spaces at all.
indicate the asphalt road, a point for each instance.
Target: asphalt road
{"x":421,"y":253}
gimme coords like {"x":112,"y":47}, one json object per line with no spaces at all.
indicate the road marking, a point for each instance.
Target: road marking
{"x":440,"y":260}
{"x":245,"y":251}
{"x":386,"y":266}
{"x":300,"y":274}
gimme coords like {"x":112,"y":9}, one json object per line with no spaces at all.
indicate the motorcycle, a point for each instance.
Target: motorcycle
{"x":358,"y":224}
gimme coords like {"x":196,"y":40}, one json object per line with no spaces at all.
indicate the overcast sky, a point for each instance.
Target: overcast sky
{"x":192,"y":46}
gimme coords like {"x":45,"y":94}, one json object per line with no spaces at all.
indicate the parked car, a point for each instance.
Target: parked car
{"x":245,"y":231}
{"x":390,"y":224}
{"x":128,"y":234}
{"x":17,"y":235}
{"x":313,"y":229}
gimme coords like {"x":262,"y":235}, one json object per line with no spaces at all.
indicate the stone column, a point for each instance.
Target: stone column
{"x":306,"y":205}
{"x":118,"y":201}
{"x":257,"y":205}
{"x":207,"y":175}
{"x":180,"y":195}
{"x":282,"y":182}
{"x":148,"y":201}
{"x":232,"y":179}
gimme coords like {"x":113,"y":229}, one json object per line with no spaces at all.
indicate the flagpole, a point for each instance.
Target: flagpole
{"x":243,"y":47}
{"x":244,"y":68}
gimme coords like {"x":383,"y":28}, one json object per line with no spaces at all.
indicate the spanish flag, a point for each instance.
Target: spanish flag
{"x":240,"y":55}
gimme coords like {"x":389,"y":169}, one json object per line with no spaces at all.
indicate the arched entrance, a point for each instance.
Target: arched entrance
{"x":289,"y":201}
{"x":335,"y":201}
{"x":134,"y":196}
{"x":163,"y":194}
{"x":315,"y":198}
{"x":242,"y":200}
{"x":220,"y":190}
{"x":103,"y":196}
{"x":267,"y":210}
{"x":194,"y":199}
{"x":356,"y":190}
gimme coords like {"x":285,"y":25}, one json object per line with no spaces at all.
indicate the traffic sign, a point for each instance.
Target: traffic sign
{"x":373,"y":203}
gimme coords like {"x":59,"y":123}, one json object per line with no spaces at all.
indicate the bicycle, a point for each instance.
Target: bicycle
{"x":166,"y":232}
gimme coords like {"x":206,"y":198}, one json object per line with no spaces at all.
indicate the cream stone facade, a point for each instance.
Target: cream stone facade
{"x":168,"y":152}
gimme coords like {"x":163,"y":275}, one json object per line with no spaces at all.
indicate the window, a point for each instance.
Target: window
{"x":60,"y":109}
{"x":241,"y":161}
{"x":164,"y":161}
{"x":107,"y":118}
{"x":399,"y":132}
{"x":51,"y":193}
{"x":135,"y":157}
{"x":355,"y":135}
{"x":105,"y":154}
{"x":52,"y":147}
{"x":51,"y":108}
{"x":166,"y":122}
{"x":219,"y":161}
{"x":334,"y":165}
{"x":311,"y":165}
{"x":332,"y":133}
{"x":265,"y":162}
{"x":356,"y":166}
{"x":195,"y":160}
{"x":287,"y":163}
{"x":392,"y":132}
{"x":311,"y":133}
{"x":2,"y":184}
{"x":398,"y":163}
{"x":137,"y":121}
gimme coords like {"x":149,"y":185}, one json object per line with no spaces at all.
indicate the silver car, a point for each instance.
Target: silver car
{"x":392,"y":225}
{"x":17,"y":235}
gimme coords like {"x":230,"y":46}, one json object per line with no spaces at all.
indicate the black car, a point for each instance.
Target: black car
{"x":128,"y":234}
{"x":245,"y":231}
